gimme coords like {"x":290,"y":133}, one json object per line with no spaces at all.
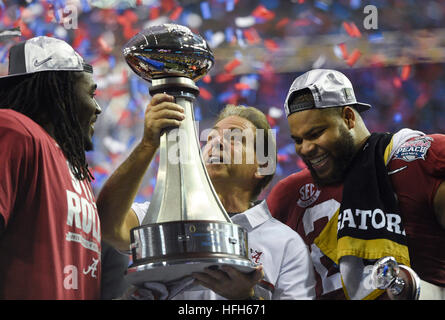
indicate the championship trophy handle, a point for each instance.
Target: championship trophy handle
{"x":385,"y":276}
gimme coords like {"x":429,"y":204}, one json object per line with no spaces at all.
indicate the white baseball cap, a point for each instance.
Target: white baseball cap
{"x":43,"y":54}
{"x":329,"y":88}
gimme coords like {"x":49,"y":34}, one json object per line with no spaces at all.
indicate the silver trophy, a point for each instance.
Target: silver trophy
{"x":186,"y":228}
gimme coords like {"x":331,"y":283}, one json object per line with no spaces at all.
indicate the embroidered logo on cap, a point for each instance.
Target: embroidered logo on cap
{"x":349,"y":94}
{"x":39,"y":63}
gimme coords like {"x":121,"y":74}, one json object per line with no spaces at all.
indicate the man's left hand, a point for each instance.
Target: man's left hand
{"x":229,"y":282}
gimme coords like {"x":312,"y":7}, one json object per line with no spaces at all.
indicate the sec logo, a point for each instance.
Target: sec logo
{"x":308,"y":195}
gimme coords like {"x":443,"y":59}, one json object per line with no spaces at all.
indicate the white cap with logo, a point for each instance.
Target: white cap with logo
{"x":329,"y":88}
{"x":43,"y":54}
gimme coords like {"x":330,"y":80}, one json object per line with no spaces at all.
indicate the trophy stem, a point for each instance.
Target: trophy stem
{"x":183,"y":188}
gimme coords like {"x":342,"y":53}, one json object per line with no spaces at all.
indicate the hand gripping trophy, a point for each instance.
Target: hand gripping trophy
{"x":186,"y":228}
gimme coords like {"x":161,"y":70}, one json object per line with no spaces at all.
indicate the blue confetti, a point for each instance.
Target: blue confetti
{"x":356,"y":4}
{"x":270,"y":4}
{"x":205,"y":10}
{"x":375,"y":37}
{"x":322,"y":5}
{"x":111,"y":61}
{"x":133,"y":85}
{"x":131,"y":105}
{"x":197,"y":113}
{"x":230,"y":5}
{"x":229,"y":34}
{"x":85,"y":6}
{"x":4,"y":54}
{"x":240,"y":38}
{"x":279,"y":170}
{"x":208,"y":35}
{"x":397,"y":117}
{"x":142,"y":87}
{"x":225,"y":96}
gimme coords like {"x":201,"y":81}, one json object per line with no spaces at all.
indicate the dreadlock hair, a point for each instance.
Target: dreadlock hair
{"x":49,"y":97}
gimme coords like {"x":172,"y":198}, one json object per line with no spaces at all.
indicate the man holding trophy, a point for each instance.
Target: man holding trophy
{"x":237,"y":187}
{"x":185,"y":232}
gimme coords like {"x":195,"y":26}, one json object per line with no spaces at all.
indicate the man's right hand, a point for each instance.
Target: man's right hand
{"x":162,"y":112}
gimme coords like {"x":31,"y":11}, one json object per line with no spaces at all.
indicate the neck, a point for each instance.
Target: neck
{"x":233,"y":199}
{"x":362,"y":135}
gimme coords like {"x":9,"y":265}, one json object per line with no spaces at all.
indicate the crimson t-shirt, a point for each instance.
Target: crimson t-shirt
{"x":50,"y":245}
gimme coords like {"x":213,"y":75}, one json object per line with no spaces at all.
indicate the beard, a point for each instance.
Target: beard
{"x":346,"y":152}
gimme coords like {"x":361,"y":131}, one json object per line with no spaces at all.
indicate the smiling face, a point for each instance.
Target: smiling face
{"x":87,"y":108}
{"x":324,"y":142}
{"x":229,"y":153}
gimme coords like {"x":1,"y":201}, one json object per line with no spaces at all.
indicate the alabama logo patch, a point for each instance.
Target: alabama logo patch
{"x":256,"y":255}
{"x":414,"y":149}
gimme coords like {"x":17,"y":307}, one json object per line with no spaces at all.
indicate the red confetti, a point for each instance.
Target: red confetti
{"x":79,"y":35}
{"x":344,"y":51}
{"x":396,"y":82}
{"x":252,"y":36}
{"x":302,"y":22}
{"x":355,"y":55}
{"x":352,"y":29}
{"x":129,"y":32}
{"x":263,"y":13}
{"x":100,"y":170}
{"x":131,"y":16}
{"x":154,"y":13}
{"x":104,"y":45}
{"x":406,"y":70}
{"x":282,"y":157}
{"x":26,"y":32}
{"x":207,"y":78}
{"x":233,"y":99}
{"x":282,"y":23}
{"x":272,"y":121}
{"x":242,"y":86}
{"x":224,"y":77}
{"x":232,"y":65}
{"x":271,"y":45}
{"x":422,"y":100}
{"x":203,"y":93}
{"x":176,"y":13}
{"x":125,"y":115}
{"x":167,"y":5}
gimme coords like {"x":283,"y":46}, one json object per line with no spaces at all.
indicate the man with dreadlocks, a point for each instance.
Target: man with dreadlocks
{"x":49,"y":226}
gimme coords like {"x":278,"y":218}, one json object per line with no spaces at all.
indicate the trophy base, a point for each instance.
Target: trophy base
{"x":169,"y":251}
{"x":168,"y":271}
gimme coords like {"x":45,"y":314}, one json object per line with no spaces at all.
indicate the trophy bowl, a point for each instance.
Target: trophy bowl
{"x":168,"y":50}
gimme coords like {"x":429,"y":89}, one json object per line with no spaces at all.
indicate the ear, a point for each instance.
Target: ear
{"x":348,"y":116}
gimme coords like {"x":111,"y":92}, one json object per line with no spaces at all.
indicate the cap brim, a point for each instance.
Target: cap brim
{"x":362,"y":106}
{"x":12,"y":79}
